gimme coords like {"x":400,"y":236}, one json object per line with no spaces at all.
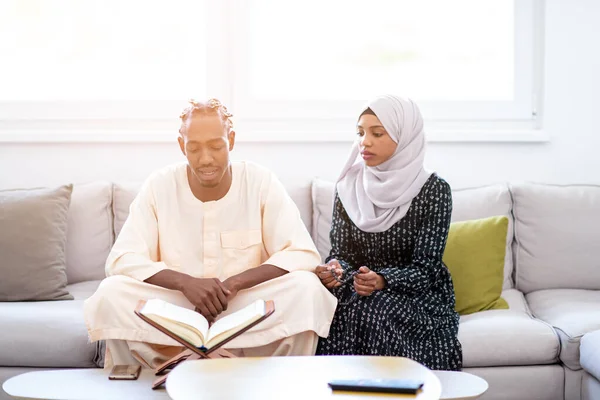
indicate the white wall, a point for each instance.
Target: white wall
{"x":572,"y":107}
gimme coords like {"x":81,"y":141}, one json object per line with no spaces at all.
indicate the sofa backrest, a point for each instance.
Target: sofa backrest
{"x":468,"y":204}
{"x":301,"y":195}
{"x":90,"y":231}
{"x":488,"y":201}
{"x":125,"y":193}
{"x":557,"y":230}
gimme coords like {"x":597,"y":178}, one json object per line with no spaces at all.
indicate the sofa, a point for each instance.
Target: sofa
{"x":545,"y":346}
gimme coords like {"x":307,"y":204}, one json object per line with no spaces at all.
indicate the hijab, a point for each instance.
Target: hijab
{"x":375,"y":198}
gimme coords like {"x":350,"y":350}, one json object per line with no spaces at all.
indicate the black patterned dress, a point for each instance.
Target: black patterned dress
{"x":413,"y":316}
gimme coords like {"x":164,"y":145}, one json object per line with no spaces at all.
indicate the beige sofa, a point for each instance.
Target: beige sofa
{"x":530,"y":351}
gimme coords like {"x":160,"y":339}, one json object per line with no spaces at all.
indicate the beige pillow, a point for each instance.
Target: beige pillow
{"x":33,"y":234}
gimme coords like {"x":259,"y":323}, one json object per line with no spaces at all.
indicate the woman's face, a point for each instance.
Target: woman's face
{"x":376,"y":145}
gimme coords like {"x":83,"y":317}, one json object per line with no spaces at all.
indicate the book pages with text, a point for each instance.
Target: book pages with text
{"x":182,"y":321}
{"x":229,"y":325}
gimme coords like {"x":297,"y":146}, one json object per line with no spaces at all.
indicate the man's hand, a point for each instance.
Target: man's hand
{"x":367,"y":281}
{"x":232,"y":285}
{"x":325,"y":273}
{"x":209,"y":296}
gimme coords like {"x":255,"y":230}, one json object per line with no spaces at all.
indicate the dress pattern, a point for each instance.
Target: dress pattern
{"x":413,"y":316}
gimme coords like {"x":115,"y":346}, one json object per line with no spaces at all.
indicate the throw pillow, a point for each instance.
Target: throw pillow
{"x":474,"y":255}
{"x":33,"y":234}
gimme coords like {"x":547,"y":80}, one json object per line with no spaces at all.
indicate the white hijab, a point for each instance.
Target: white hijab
{"x":375,"y":198}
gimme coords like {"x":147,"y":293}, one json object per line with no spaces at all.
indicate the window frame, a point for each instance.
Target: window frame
{"x":283,"y":121}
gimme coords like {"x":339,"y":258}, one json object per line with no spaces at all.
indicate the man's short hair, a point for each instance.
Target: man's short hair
{"x":210,"y":107}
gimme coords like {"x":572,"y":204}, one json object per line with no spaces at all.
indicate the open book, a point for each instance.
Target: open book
{"x":192,"y":327}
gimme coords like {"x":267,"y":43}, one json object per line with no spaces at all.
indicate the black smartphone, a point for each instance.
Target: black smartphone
{"x":125,"y":372}
{"x":405,"y":386}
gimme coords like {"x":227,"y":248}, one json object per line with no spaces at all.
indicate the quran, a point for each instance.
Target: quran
{"x":193,"y":328}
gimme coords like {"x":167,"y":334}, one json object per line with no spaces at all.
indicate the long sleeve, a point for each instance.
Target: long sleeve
{"x":285,"y":236}
{"x":135,"y":252}
{"x":430,"y":242}
{"x":342,"y":248}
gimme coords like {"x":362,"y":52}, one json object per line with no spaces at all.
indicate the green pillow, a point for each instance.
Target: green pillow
{"x":474,"y":256}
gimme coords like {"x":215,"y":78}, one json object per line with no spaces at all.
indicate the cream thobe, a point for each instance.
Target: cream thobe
{"x":255,"y":223}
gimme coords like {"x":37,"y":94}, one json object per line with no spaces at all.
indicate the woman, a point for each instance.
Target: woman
{"x":390,"y":225}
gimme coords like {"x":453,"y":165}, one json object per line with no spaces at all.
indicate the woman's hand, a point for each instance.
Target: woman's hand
{"x":367,"y":281}
{"x":325,"y":273}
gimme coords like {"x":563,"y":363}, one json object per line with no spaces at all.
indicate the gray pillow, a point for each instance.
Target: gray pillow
{"x":33,"y":235}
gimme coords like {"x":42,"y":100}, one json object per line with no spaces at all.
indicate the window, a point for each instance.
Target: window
{"x":279,"y":65}
{"x":464,"y":59}
{"x":95,"y":59}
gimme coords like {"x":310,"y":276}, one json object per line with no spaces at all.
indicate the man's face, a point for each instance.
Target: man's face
{"x":206,"y":142}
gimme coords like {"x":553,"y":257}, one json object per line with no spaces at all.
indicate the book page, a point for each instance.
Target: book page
{"x":235,"y":322}
{"x":171,"y":317}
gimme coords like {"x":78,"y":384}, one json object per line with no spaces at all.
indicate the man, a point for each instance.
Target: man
{"x":211,"y":235}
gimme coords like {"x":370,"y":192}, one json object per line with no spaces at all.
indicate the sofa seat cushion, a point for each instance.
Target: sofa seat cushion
{"x":48,"y":333}
{"x":572,"y":312}
{"x":590,"y":353}
{"x":83,"y":290}
{"x":507,"y":337}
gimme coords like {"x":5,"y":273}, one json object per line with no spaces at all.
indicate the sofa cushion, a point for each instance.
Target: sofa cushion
{"x":126,"y":192}
{"x":530,"y":382}
{"x":590,"y":387}
{"x":123,"y":195}
{"x":557,"y":230}
{"x":48,"y":333}
{"x":322,"y":193}
{"x":590,"y":353}
{"x":83,"y":290}
{"x":474,"y":256}
{"x":483,"y":202}
{"x":33,"y":235}
{"x":90,"y":234}
{"x":300,"y":193}
{"x":572,"y":312}
{"x":468,"y":204}
{"x":507,"y":337}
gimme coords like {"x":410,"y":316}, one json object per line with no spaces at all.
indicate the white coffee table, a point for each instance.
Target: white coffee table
{"x":292,"y":377}
{"x":460,"y":385}
{"x":92,"y":383}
